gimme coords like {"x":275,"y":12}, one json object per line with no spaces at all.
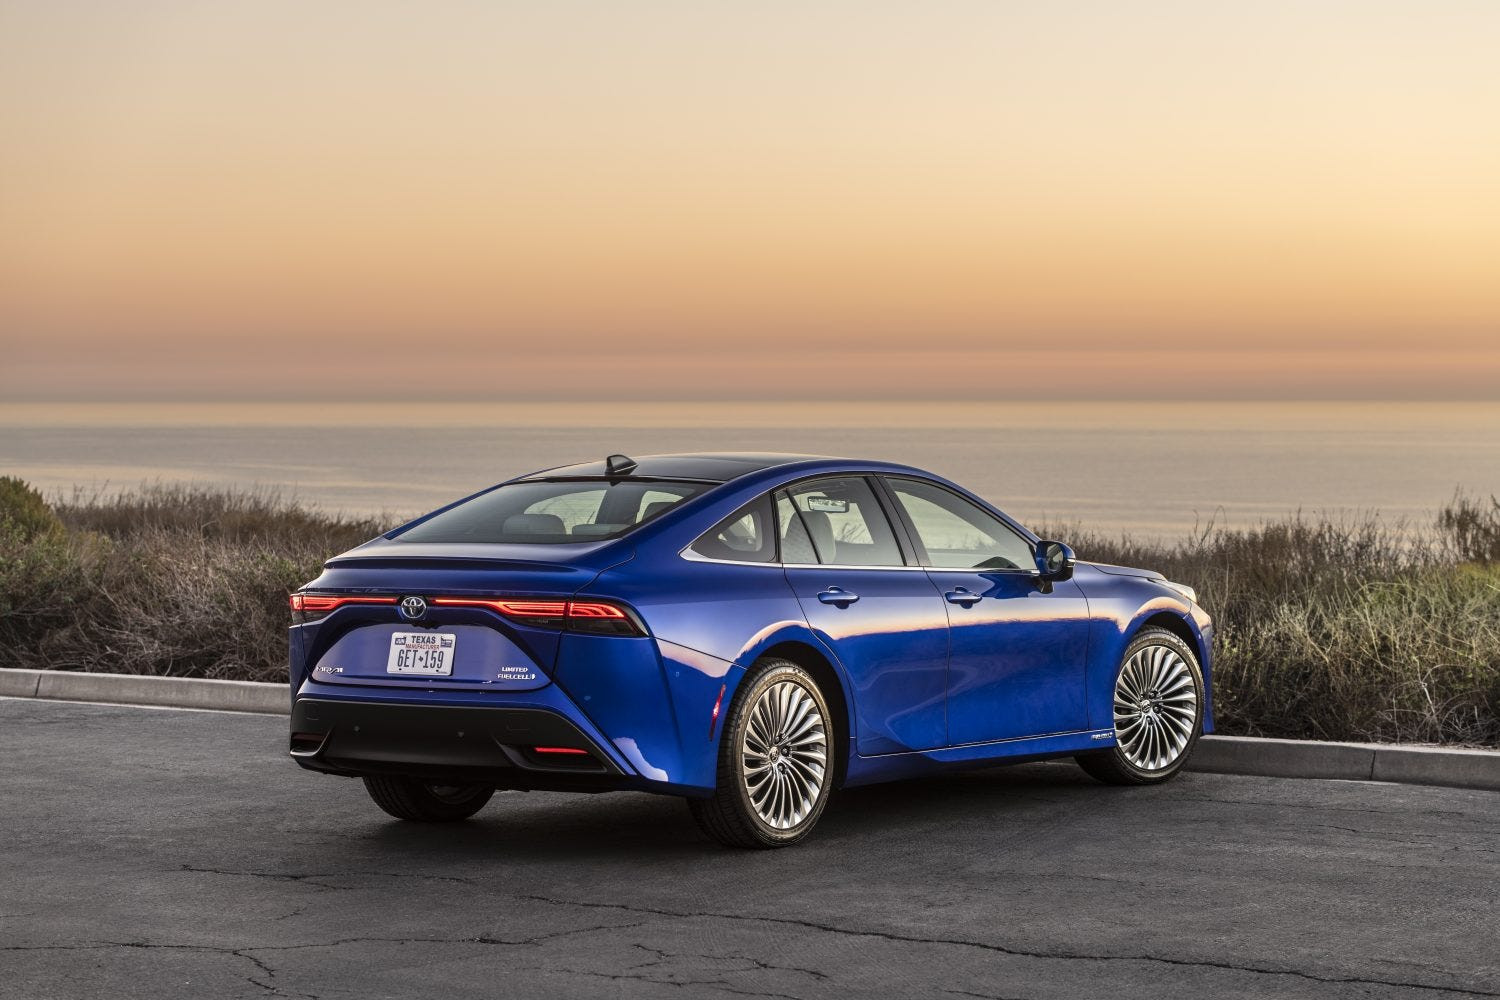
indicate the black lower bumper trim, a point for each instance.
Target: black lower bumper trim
{"x":472,"y":743}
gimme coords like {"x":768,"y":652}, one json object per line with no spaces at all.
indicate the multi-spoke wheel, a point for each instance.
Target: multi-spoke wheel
{"x":775,"y":761}
{"x":1158,"y":712}
{"x":784,"y":754}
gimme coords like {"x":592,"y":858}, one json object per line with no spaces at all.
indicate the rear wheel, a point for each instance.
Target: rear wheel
{"x":410,"y":799}
{"x":1158,"y":712}
{"x":775,"y":761}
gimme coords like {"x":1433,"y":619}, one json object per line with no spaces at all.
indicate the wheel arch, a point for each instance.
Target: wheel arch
{"x":1178,"y":626}
{"x":1186,"y":629}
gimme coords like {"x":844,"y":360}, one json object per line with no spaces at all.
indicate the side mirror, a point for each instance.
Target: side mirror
{"x":1054,"y":561}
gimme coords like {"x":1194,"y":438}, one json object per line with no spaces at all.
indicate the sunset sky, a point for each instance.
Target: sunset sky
{"x":694,"y":200}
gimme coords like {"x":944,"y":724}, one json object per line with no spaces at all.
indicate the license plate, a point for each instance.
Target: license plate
{"x":421,"y":653}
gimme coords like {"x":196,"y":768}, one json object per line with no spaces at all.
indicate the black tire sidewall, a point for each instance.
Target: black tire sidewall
{"x":411,"y":799}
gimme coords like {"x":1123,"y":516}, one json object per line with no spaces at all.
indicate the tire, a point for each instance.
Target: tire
{"x":1158,"y":712}
{"x":776,"y":761}
{"x":410,"y":799}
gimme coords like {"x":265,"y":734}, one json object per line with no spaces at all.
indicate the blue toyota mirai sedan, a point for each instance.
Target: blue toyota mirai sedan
{"x":747,"y":631}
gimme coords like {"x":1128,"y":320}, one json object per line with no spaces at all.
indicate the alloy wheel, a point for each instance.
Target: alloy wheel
{"x":784,"y":755}
{"x":1156,"y":707}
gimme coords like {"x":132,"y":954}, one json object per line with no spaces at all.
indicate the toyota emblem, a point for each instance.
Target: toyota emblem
{"x":413,"y":608}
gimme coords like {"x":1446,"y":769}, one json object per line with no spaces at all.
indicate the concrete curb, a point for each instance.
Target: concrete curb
{"x":1397,"y":762}
{"x":130,"y":689}
{"x":1412,"y":765}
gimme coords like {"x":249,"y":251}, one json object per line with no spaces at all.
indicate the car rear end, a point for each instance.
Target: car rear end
{"x":432,"y":653}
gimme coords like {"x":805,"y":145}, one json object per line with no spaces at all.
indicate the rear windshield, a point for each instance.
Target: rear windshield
{"x":545,"y":513}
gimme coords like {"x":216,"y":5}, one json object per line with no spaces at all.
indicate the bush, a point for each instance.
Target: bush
{"x":1356,"y":629}
{"x":24,"y":515}
{"x":1472,"y":528}
{"x":175,"y":581}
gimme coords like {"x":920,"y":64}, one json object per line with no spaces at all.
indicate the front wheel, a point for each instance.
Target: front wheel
{"x":1158,"y":712}
{"x":410,"y":799}
{"x":776,"y":761}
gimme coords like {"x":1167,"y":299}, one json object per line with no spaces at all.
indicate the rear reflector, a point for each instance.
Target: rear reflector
{"x":561,"y":750}
{"x":713,"y":719}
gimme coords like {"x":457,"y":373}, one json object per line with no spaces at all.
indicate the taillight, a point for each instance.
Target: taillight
{"x":311,"y":607}
{"x":597,"y":617}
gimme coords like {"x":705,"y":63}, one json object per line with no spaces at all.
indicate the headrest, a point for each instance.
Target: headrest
{"x":533,"y":524}
{"x":595,"y":530}
{"x":821,"y":530}
{"x":656,"y":507}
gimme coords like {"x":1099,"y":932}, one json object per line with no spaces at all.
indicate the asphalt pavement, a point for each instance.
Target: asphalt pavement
{"x":166,"y":853}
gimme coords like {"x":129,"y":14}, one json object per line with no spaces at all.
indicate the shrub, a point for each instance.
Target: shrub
{"x":24,"y":515}
{"x":171,"y":580}
{"x":1473,"y":529}
{"x":1352,"y":629}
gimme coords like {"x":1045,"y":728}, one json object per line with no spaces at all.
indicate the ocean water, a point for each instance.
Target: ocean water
{"x":1153,"y":469}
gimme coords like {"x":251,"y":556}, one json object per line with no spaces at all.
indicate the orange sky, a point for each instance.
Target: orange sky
{"x":691,"y":200}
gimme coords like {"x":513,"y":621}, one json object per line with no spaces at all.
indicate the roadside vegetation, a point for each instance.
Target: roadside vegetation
{"x":174,"y":580}
{"x":1358,"y":629}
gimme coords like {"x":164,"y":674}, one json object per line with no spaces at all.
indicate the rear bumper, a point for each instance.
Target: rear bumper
{"x":647,"y":711}
{"x":453,"y":743}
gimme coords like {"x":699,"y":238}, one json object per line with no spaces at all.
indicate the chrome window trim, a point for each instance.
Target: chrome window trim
{"x":1018,"y":571}
{"x":691,"y":556}
{"x":903,"y":569}
{"x":687,"y":553}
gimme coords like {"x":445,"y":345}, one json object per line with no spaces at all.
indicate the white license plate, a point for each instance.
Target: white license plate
{"x":421,"y":653}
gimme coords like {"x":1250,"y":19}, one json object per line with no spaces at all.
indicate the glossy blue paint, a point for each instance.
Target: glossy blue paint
{"x":1016,"y":667}
{"x":893,"y":644}
{"x":927,"y":684}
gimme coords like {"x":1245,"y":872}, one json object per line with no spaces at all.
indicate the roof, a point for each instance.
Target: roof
{"x":714,"y":468}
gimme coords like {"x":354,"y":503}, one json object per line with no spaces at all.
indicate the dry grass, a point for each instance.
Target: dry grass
{"x":177,"y":581}
{"x":1360,"y":629}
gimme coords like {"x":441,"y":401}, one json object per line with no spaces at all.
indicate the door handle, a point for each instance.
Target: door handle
{"x":842,"y":598}
{"x":963,"y":596}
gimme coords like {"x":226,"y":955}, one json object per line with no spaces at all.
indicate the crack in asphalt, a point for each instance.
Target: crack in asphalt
{"x":1432,"y":841}
{"x":753,"y":963}
{"x":261,"y":967}
{"x":317,"y":878}
{"x":254,"y":953}
{"x":1015,"y":952}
